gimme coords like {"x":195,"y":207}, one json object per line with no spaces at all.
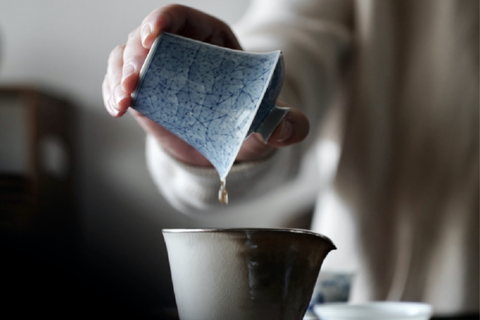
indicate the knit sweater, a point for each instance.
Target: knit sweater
{"x":391,"y":92}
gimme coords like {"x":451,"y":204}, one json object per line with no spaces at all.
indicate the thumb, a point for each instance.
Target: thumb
{"x":293,"y":129}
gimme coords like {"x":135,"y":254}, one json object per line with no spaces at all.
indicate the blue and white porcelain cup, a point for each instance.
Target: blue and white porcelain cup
{"x":331,"y":286}
{"x":211,"y":97}
{"x":388,"y":310}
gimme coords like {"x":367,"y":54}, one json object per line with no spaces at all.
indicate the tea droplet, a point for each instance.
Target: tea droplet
{"x":223,"y":193}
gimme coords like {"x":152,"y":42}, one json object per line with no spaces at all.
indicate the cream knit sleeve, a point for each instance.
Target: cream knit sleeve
{"x":314,"y":39}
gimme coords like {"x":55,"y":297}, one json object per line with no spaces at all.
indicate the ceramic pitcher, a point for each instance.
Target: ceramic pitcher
{"x":246,"y":274}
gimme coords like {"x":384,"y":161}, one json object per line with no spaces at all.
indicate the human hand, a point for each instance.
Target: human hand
{"x":125,"y":62}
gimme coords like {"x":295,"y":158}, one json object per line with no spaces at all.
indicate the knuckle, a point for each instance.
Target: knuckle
{"x":134,"y":60}
{"x":173,"y":9}
{"x":119,"y":48}
{"x":155,"y":14}
{"x":106,"y":82}
{"x":173,"y":6}
{"x":117,"y":51}
{"x":132,"y":35}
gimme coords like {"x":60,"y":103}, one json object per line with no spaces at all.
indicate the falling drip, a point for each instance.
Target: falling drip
{"x":223,"y":193}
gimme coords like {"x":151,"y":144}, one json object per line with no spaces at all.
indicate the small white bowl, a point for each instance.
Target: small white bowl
{"x":374,"y":310}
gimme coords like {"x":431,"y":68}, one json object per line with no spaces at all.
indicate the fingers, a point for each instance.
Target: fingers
{"x":123,"y":71}
{"x":112,"y":80}
{"x":134,"y":56}
{"x":157,"y":21}
{"x":125,"y":62}
{"x":187,"y":22}
{"x":293,"y":129}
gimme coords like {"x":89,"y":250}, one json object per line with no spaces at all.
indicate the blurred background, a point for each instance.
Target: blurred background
{"x":80,"y":217}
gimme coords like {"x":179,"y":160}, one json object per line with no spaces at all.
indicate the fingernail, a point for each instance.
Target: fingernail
{"x":119,"y":95}
{"x":113,"y":108}
{"x":127,"y":70}
{"x":286,"y":131}
{"x":146,"y":30}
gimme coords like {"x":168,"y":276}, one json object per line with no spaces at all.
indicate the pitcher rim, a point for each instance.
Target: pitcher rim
{"x":243,"y":230}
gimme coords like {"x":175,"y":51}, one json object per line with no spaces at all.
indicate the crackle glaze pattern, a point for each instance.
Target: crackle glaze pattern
{"x":208,"y":95}
{"x":254,"y":274}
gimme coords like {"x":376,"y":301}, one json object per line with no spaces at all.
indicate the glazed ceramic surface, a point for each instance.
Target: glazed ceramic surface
{"x":244,"y":273}
{"x":211,"y":97}
{"x":331,"y":286}
{"x":381,"y":310}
